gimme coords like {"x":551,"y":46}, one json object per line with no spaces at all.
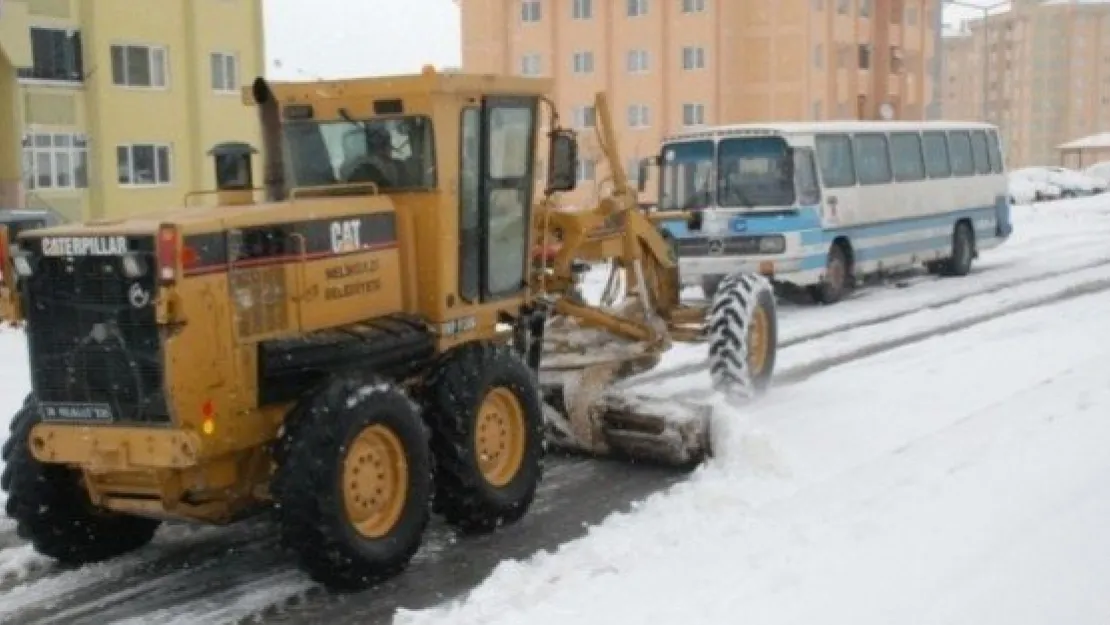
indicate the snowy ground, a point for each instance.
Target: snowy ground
{"x":925,"y":442}
{"x":956,"y":479}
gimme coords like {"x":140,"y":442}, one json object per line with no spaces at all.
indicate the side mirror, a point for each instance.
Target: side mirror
{"x":562,"y":159}
{"x":642,"y":174}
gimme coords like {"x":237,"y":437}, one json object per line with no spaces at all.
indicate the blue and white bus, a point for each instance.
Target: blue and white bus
{"x":819,"y":204}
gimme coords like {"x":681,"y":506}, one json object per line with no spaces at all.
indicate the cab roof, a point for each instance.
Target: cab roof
{"x":429,"y":81}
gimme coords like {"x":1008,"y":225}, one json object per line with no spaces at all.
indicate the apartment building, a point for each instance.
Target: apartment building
{"x":1040,"y":71}
{"x":108,"y":107}
{"x":670,"y":65}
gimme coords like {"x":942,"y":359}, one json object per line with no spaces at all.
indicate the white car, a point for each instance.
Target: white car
{"x":1099,"y":171}
{"x":1071,"y":183}
{"x":1024,"y":190}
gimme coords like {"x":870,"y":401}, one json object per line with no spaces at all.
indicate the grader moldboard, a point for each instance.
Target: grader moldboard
{"x":370,"y":344}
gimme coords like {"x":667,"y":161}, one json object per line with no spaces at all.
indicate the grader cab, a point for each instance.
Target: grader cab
{"x":370,"y":341}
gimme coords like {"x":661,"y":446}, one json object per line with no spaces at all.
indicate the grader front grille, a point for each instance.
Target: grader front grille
{"x":94,"y":345}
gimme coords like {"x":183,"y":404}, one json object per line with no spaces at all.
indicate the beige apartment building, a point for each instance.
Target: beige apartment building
{"x":1040,"y":71}
{"x":669,"y":65}
{"x":109,"y":107}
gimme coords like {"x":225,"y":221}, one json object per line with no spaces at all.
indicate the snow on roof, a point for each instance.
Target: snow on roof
{"x":1100,"y":141}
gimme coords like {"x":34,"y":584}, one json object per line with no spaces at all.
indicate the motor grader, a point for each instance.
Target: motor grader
{"x":393,"y":329}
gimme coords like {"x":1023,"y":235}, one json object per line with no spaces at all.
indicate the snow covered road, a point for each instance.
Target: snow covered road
{"x":961,"y":479}
{"x":813,"y":469}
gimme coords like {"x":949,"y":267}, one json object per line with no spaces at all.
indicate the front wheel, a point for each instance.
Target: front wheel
{"x":743,"y":336}
{"x":353,"y":482}
{"x":834,"y":284}
{"x":52,"y":509}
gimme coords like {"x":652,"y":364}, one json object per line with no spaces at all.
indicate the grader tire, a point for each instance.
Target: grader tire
{"x":353,"y":482}
{"x":483,"y":405}
{"x":743,"y":336}
{"x":53,"y":511}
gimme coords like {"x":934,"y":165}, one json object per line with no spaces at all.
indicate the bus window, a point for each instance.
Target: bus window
{"x":980,"y":152}
{"x":805,"y":177}
{"x":834,"y":156}
{"x":754,"y":171}
{"x":936,"y":155}
{"x":685,"y":178}
{"x":959,"y":145}
{"x":995,"y":152}
{"x":905,"y":152}
{"x":872,"y":159}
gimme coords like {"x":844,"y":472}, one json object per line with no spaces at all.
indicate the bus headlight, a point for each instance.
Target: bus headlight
{"x":772,"y":245}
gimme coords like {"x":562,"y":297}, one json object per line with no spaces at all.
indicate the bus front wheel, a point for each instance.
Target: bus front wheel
{"x":835,"y":283}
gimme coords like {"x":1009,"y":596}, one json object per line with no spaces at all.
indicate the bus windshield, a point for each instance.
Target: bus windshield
{"x":686,"y":176}
{"x":754,"y":171}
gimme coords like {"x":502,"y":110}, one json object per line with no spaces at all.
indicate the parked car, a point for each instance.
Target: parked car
{"x":1071,"y":183}
{"x":20,"y":219}
{"x":1100,"y":171}
{"x":1025,"y":190}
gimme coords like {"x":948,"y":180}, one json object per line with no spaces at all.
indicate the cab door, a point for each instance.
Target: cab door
{"x":496,"y":187}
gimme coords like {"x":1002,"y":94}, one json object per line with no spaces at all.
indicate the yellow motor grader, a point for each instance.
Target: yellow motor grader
{"x":393,"y":329}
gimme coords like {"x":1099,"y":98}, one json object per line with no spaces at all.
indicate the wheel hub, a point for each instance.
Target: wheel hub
{"x":499,"y":437}
{"x":758,"y":339}
{"x":375,"y":481}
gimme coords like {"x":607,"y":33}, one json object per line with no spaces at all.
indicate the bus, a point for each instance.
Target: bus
{"x":821,"y":204}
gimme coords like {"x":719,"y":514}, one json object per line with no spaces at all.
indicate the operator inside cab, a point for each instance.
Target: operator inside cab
{"x":392,"y":152}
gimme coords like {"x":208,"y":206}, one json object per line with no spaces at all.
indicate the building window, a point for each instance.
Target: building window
{"x":637,"y":61}
{"x":55,"y":55}
{"x":585,"y":117}
{"x":56,"y":161}
{"x":637,"y":8}
{"x":225,"y":72}
{"x":693,"y":114}
{"x":638,"y":116}
{"x":818,"y":56}
{"x":138,"y":66}
{"x":530,"y":11}
{"x":911,"y":16}
{"x":143,"y":164}
{"x":583,"y":62}
{"x":864,"y":56}
{"x":842,"y":6}
{"x":693,"y":6}
{"x":817,"y":109}
{"x":587,"y":169}
{"x":865,"y":8}
{"x":896,"y":60}
{"x":693,"y":57}
{"x":818,"y":5}
{"x":530,"y":64}
{"x":583,"y":9}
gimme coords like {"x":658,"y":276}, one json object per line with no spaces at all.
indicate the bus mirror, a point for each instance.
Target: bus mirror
{"x":562,"y":171}
{"x":642,"y":173}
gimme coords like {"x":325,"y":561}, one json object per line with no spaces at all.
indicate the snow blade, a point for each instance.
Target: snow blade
{"x":584,"y":415}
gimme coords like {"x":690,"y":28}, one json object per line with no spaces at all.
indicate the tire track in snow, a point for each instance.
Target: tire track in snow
{"x":875,"y":320}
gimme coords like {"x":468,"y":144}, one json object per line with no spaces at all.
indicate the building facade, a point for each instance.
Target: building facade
{"x":668,"y":65}
{"x":109,"y":107}
{"x":1040,"y":71}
